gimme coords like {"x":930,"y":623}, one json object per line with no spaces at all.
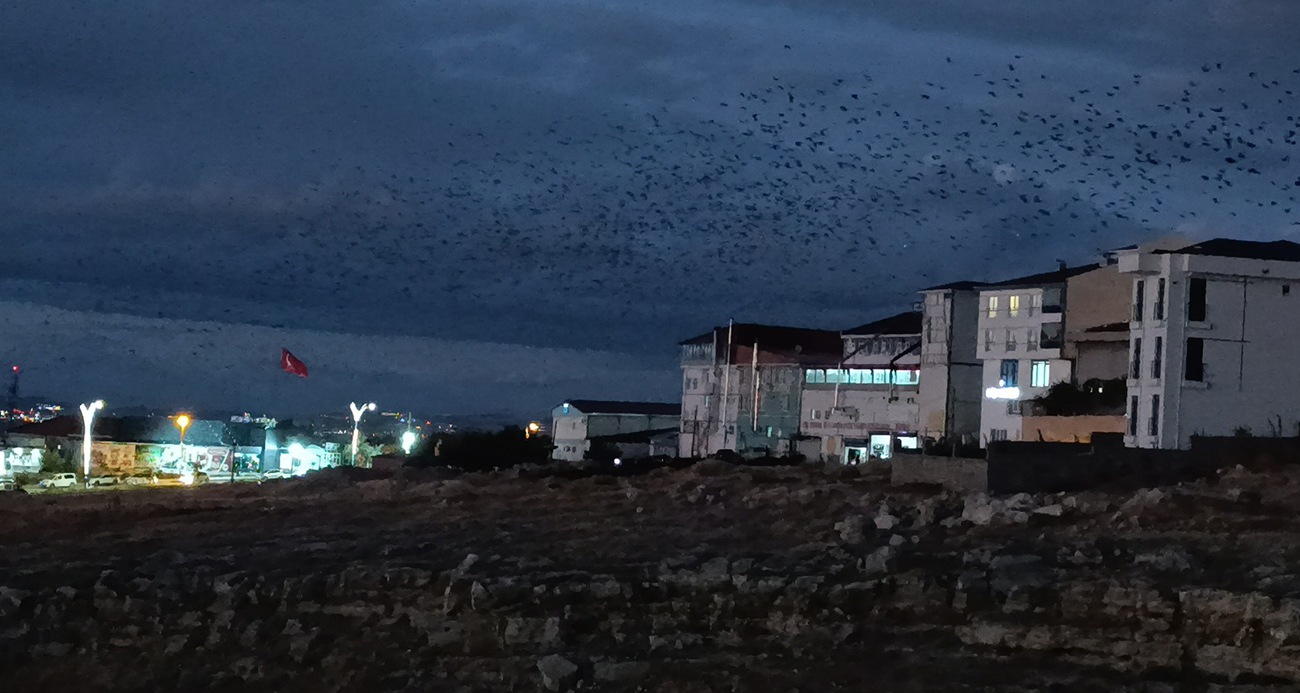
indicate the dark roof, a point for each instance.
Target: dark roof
{"x":955,"y":286}
{"x":595,"y":406}
{"x":1055,"y":276}
{"x":745,"y":334}
{"x":635,"y":436}
{"x":903,"y":323}
{"x":1284,"y":251}
{"x":777,"y":344}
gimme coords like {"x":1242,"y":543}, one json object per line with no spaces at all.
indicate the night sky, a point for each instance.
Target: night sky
{"x":492,"y":206}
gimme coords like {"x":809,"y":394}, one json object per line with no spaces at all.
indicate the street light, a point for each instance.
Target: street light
{"x":356,"y":425}
{"x":408,"y":441}
{"x":183,"y":422}
{"x":88,"y":416}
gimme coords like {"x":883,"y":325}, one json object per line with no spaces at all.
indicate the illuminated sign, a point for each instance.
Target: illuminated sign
{"x":1002,"y":393}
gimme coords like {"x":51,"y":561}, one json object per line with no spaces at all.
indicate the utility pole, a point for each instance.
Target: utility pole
{"x":10,"y":403}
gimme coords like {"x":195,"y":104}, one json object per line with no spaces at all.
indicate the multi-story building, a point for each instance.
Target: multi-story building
{"x":579,"y":422}
{"x":951,"y":391}
{"x":867,"y":404}
{"x":742,"y":385}
{"x":1212,"y":332}
{"x":1021,"y":338}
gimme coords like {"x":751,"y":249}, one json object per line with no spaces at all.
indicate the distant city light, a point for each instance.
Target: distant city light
{"x":618,"y":462}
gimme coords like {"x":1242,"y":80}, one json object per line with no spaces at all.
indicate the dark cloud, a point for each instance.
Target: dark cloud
{"x":609,"y":177}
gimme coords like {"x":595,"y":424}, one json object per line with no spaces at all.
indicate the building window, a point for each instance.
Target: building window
{"x":1011,"y":340}
{"x":1035,"y":303}
{"x":1053,"y":300}
{"x":1196,"y":299}
{"x":1139,"y":298}
{"x":1156,"y":362}
{"x":1031,"y":340}
{"x":909,"y":376}
{"x":1286,"y":289}
{"x":1160,"y":299}
{"x":1154,"y":426}
{"x":988,"y":340}
{"x":1050,"y":336}
{"x":1195,"y":368}
{"x":1137,"y":358}
{"x":1010,"y":374}
{"x":993,"y":306}
{"x":1133,"y":415}
{"x":997,"y":434}
{"x":1040,"y":373}
{"x":1014,"y":408}
{"x":1013,"y":305}
{"x":816,"y":375}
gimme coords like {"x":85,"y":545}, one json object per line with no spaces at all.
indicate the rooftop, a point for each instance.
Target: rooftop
{"x":1282,"y":251}
{"x":904,"y":323}
{"x":1055,"y":276}
{"x":595,"y":406}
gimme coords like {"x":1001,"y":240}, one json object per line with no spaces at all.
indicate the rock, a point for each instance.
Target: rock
{"x":897,"y":540}
{"x":851,"y":529}
{"x":979,"y":510}
{"x":556,"y":671}
{"x":1053,"y":510}
{"x":715,"y":568}
{"x":878,"y":561}
{"x":620,"y":671}
{"x":884,"y":520}
{"x":1170,"y":558}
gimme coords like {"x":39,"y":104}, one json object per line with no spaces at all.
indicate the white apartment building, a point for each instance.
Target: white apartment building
{"x":1212,"y":346}
{"x":950,"y":393}
{"x":1021,"y":336}
{"x":867,"y":404}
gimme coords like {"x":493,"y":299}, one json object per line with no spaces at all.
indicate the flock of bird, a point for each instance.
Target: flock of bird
{"x":846,"y":191}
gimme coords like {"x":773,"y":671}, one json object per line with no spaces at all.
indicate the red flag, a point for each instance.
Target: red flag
{"x":291,"y":364}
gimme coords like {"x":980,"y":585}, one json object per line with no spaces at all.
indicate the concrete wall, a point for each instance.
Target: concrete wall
{"x":862,"y":410}
{"x":1069,"y":429}
{"x":953,"y":473}
{"x":1101,"y":360}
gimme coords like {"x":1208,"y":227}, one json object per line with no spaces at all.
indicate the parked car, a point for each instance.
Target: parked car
{"x":274,"y":474}
{"x":60,"y":480}
{"x":104,"y":480}
{"x":9,"y":485}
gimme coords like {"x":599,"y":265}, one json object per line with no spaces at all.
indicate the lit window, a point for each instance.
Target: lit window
{"x":816,"y":375}
{"x":1040,"y":374}
{"x":1013,"y":305}
{"x":993,"y":306}
{"x":907,"y":377}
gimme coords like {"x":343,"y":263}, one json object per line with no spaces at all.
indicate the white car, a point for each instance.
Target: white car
{"x":274,"y":474}
{"x":60,"y":480}
{"x":9,"y":485}
{"x":103,"y":480}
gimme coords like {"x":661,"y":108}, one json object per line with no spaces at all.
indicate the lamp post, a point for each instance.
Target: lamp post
{"x":183,"y":422}
{"x":357,"y":412}
{"x":87,"y":418}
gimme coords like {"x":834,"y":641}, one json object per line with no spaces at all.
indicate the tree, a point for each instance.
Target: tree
{"x":481,"y":451}
{"x":54,"y":463}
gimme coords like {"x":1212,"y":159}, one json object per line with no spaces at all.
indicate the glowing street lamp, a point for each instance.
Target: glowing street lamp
{"x":183,"y":422}
{"x":357,"y":412}
{"x":532,"y":430}
{"x":87,"y":417}
{"x":408,"y":441}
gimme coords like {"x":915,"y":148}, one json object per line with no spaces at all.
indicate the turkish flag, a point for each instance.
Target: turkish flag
{"x":291,"y":364}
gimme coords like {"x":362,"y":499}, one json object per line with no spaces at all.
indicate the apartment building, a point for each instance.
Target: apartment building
{"x":867,"y":404}
{"x":1021,"y":337}
{"x":742,"y":386}
{"x":1211,"y":351}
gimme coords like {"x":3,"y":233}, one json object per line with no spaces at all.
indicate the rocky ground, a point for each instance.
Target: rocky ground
{"x":711,"y":578}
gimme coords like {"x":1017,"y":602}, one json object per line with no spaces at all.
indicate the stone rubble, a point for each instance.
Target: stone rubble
{"x":710,"y":578}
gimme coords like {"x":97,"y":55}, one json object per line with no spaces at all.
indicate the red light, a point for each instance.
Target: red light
{"x":15,"y":369}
